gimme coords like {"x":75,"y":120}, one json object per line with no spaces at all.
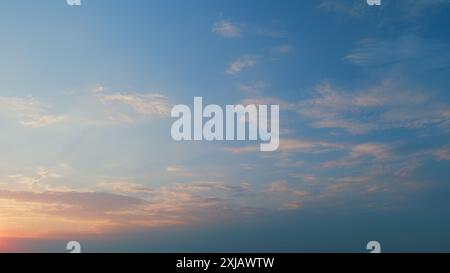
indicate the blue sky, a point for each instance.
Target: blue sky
{"x":86,"y":151}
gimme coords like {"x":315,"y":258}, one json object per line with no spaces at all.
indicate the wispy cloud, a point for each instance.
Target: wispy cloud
{"x":397,"y":10}
{"x":270,"y":33}
{"x":292,"y":146}
{"x":378,"y":108}
{"x":409,"y":51}
{"x":55,"y":213}
{"x":413,"y":9}
{"x":443,"y":153}
{"x":119,"y":207}
{"x":283,"y":49}
{"x":113,"y":205}
{"x":377,"y":150}
{"x":241,"y":64}
{"x":129,"y":107}
{"x":283,"y":187}
{"x":356,"y":155}
{"x":145,"y":104}
{"x":227,"y":29}
{"x":124,"y":187}
{"x":252,"y":89}
{"x":352,"y":8}
{"x":292,"y":197}
{"x":179,"y":170}
{"x":29,"y":112}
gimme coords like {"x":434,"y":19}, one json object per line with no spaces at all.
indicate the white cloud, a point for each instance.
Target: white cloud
{"x":283,"y":187}
{"x":42,"y":121}
{"x":350,"y":8}
{"x":381,"y":107}
{"x":362,"y":153}
{"x":392,"y":10}
{"x":130,"y":107}
{"x":179,"y":170}
{"x":226,"y":29}
{"x":270,"y":33}
{"x":29,"y":112}
{"x":443,"y":153}
{"x":124,"y":187}
{"x":413,"y":9}
{"x":241,"y":64}
{"x":283,"y":49}
{"x":292,"y":146}
{"x":98,"y":88}
{"x":252,"y":89}
{"x":379,"y":151}
{"x":386,"y":105}
{"x":146,"y":104}
{"x":410,"y":51}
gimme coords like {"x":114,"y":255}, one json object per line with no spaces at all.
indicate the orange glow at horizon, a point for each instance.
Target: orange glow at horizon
{"x":7,"y":246}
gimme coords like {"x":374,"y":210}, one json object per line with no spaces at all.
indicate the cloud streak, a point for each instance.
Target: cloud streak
{"x":381,"y":107}
{"x":240,"y":65}
{"x":29,"y":112}
{"x":128,"y":107}
{"x":227,"y":29}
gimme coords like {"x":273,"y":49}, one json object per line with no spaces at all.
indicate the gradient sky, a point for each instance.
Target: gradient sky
{"x":86,"y":152}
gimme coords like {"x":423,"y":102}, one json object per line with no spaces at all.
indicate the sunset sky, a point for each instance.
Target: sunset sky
{"x":86,"y":152}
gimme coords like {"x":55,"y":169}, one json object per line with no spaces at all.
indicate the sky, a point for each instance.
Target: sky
{"x":86,"y":152}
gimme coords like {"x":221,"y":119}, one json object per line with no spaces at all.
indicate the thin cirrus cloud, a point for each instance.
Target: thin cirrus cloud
{"x":360,"y":153}
{"x":145,"y":104}
{"x":252,"y":89}
{"x":129,"y":107}
{"x":227,"y":29}
{"x":31,"y":112}
{"x":111,"y":205}
{"x":391,"y":10}
{"x":283,"y":49}
{"x":383,"y":106}
{"x":179,"y":170}
{"x":123,"y":205}
{"x":248,"y":61}
{"x":28,"y":112}
{"x":293,"y":197}
{"x":232,"y":30}
{"x":55,"y":213}
{"x":350,"y":8}
{"x":241,"y":64}
{"x":118,"y":206}
{"x":443,"y":153}
{"x":292,"y":146}
{"x":386,"y":105}
{"x":283,"y":187}
{"x":379,"y":151}
{"x":409,"y":51}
